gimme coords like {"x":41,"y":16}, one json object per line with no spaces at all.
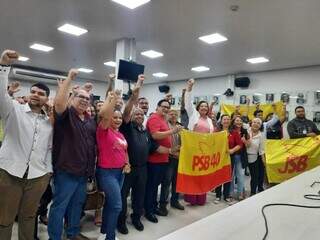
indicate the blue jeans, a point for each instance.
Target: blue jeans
{"x":110,"y":182}
{"x":237,"y":172}
{"x":69,"y":195}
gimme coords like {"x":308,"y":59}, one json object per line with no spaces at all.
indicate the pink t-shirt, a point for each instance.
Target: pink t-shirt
{"x":202,"y":126}
{"x":112,"y":148}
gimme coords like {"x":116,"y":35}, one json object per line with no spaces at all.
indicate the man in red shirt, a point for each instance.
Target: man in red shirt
{"x":157,"y":163}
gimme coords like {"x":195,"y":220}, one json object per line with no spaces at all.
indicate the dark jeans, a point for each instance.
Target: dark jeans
{"x":110,"y":182}
{"x":69,"y":195}
{"x":170,"y":178}
{"x":135,"y":180}
{"x":226,"y":190}
{"x":257,"y":176}
{"x":156,"y":173}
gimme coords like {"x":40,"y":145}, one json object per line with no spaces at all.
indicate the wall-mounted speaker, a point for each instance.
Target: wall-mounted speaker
{"x":164,"y":88}
{"x":242,"y":82}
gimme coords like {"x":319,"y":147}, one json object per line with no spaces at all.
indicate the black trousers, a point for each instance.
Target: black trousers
{"x":257,"y":175}
{"x":136,"y":181}
{"x":170,"y":179}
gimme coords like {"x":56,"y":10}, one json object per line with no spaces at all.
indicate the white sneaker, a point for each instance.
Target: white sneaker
{"x":102,"y":237}
{"x":217,"y":201}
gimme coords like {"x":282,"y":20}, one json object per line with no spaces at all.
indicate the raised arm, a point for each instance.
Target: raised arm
{"x":62,"y":96}
{"x":188,"y":98}
{"x":110,"y":83}
{"x":274,"y":118}
{"x":133,"y":99}
{"x":107,"y":109}
{"x":6,"y":104}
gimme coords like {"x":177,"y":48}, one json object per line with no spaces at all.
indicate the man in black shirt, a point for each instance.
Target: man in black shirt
{"x":140,"y":144}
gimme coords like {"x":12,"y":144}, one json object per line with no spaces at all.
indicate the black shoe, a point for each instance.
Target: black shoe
{"x":162,"y":211}
{"x":151,"y":217}
{"x":137,"y":224}
{"x":122,"y":228}
{"x":177,"y":205}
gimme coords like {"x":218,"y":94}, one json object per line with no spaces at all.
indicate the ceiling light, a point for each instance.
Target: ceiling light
{"x":23,"y":59}
{"x":200,"y":69}
{"x":41,"y":47}
{"x":152,"y":54}
{"x":110,"y":64}
{"x":85,"y":70}
{"x":213,"y":38}
{"x":132,"y":4}
{"x":71,"y":29}
{"x":160,"y":75}
{"x":257,"y":60}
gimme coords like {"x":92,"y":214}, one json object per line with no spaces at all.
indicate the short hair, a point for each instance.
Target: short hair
{"x":199,"y":103}
{"x":161,"y":101}
{"x":257,"y":119}
{"x":298,"y":108}
{"x":256,"y":112}
{"x":174,"y":111}
{"x":42,"y":86}
{"x":142,"y":98}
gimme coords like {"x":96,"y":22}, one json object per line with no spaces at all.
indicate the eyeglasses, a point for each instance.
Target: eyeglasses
{"x":83,"y":97}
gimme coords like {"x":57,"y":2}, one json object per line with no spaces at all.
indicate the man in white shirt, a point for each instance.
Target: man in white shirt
{"x":25,"y":155}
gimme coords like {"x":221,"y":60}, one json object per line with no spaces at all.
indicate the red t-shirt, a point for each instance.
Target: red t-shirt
{"x":234,"y":139}
{"x":112,"y":148}
{"x":157,"y":123}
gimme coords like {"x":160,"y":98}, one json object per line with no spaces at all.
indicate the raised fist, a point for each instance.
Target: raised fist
{"x":8,"y":57}
{"x":73,"y":74}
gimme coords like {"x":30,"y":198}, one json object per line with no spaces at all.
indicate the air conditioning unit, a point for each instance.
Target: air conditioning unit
{"x":34,"y":76}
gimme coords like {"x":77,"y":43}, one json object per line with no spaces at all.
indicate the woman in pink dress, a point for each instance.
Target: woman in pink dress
{"x":199,"y":121}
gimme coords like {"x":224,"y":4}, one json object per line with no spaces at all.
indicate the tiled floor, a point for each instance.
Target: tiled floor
{"x":175,"y":220}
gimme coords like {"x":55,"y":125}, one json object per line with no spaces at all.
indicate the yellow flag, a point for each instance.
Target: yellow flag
{"x":289,"y":157}
{"x":204,"y":162}
{"x":266,"y":108}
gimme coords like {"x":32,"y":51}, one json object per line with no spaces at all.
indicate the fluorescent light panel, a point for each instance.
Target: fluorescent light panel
{"x":85,"y":70}
{"x":160,"y":75}
{"x":152,"y":54}
{"x":213,"y":38}
{"x":41,"y":47}
{"x":257,"y":60}
{"x":71,"y":29}
{"x":110,"y":64}
{"x":200,"y":69}
{"x":132,"y":4}
{"x":23,"y":59}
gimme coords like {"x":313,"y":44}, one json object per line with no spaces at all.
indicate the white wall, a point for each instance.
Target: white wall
{"x":306,"y":80}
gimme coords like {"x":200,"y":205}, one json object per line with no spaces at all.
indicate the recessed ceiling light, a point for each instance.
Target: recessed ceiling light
{"x":160,"y":75}
{"x":132,"y":4}
{"x":110,"y":64}
{"x":257,"y":60}
{"x":152,"y":54}
{"x":41,"y":47}
{"x":71,"y":29}
{"x":85,"y":70}
{"x":200,"y":69}
{"x":23,"y":59}
{"x":213,"y":38}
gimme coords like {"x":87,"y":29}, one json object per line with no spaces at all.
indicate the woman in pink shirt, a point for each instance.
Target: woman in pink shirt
{"x":112,"y":163}
{"x":199,"y":121}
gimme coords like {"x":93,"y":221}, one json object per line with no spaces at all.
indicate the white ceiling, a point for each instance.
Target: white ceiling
{"x":285,"y":31}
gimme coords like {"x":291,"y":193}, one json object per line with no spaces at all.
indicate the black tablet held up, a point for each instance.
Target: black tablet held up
{"x":129,"y":71}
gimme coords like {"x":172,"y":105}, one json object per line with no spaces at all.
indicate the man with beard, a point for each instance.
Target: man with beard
{"x":144,"y":105}
{"x":74,"y":155}
{"x":300,"y":127}
{"x":25,"y":156}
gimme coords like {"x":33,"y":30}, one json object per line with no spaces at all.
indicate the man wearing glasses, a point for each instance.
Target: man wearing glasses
{"x":74,"y":153}
{"x":158,"y":127}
